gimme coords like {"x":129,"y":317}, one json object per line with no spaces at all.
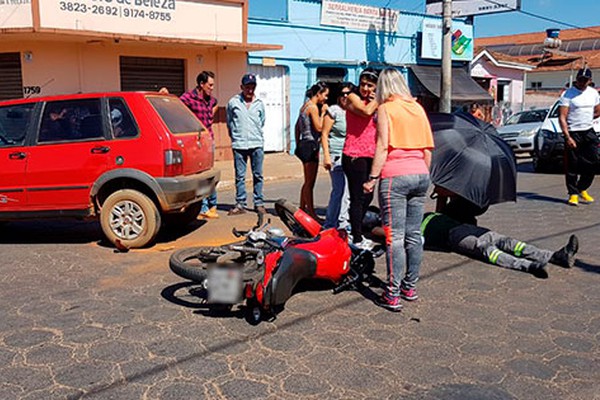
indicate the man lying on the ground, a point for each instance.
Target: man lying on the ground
{"x":444,"y":233}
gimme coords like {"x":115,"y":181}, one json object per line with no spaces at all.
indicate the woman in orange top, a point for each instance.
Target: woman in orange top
{"x":401,"y":162}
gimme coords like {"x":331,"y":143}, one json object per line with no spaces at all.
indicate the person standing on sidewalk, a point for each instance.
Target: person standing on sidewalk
{"x":202,"y":103}
{"x":332,"y":140}
{"x":402,"y":160}
{"x":579,"y":105}
{"x":358,"y":152}
{"x":308,"y":134}
{"x":245,"y":122}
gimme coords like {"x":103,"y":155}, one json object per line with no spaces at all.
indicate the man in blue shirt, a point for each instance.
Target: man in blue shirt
{"x":245,"y":122}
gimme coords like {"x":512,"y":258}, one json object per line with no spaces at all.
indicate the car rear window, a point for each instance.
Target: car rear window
{"x":178,"y":118}
{"x":14,"y":122}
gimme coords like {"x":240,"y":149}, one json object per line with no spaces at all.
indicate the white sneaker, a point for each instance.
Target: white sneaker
{"x":365,"y":244}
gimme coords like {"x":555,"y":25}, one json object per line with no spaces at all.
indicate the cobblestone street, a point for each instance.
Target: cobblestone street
{"x":81,"y":321}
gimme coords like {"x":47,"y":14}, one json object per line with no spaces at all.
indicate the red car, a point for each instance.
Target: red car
{"x":131,"y":159}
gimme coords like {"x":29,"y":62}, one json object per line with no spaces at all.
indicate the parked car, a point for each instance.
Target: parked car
{"x":549,"y":143}
{"x":520,"y":129}
{"x":129,"y":159}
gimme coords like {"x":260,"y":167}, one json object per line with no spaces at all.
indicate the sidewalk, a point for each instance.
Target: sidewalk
{"x":277,"y":166}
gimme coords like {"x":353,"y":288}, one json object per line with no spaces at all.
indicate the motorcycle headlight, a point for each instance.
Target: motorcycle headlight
{"x":529,"y":132}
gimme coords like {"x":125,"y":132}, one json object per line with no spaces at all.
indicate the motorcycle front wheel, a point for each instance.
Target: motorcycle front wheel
{"x":193,"y":263}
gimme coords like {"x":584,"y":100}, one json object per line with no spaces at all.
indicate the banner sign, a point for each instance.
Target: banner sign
{"x":464,"y":8}
{"x":15,"y":14}
{"x":359,"y":17}
{"x":462,"y":40}
{"x":161,"y":18}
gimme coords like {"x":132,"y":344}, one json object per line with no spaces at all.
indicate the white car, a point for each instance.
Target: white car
{"x":520,"y":129}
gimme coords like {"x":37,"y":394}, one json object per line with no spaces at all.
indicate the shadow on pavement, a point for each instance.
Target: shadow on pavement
{"x":540,"y":197}
{"x":587,"y":267}
{"x":71,"y":231}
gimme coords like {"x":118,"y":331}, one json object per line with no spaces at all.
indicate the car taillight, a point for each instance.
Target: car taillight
{"x":173,"y":162}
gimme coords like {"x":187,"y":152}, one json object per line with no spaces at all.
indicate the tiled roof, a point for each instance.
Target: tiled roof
{"x":554,"y":62}
{"x":538,"y":37}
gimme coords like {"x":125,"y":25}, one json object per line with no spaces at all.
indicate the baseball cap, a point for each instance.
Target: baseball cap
{"x":249,"y":79}
{"x":584,"y":73}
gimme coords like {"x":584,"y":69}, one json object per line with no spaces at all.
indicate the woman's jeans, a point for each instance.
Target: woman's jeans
{"x":357,"y":170}
{"x":339,"y":199}
{"x":401,"y":199}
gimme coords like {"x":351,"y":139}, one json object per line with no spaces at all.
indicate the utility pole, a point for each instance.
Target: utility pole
{"x":446,"y":82}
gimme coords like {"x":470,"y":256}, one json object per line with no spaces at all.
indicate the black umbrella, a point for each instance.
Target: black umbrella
{"x":470,"y":160}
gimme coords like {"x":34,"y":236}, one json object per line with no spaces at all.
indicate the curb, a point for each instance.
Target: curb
{"x":230,"y":184}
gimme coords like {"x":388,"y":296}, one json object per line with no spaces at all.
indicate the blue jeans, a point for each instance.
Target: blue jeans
{"x":401,"y":199}
{"x":339,"y":199}
{"x":209,"y":202}
{"x":240,"y":160}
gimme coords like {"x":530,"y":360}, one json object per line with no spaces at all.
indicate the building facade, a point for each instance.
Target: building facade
{"x":51,"y":47}
{"x":333,"y":41}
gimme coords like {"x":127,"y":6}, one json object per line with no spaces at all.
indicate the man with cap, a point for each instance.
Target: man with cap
{"x":245,"y":122}
{"x":579,"y":105}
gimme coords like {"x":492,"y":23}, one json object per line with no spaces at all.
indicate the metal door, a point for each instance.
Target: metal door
{"x":271,"y":89}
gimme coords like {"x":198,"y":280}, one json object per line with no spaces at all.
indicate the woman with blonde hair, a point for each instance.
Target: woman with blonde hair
{"x":401,"y":163}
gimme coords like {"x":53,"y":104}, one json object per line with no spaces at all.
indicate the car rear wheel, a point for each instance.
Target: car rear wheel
{"x":539,"y":165}
{"x":129,"y":219}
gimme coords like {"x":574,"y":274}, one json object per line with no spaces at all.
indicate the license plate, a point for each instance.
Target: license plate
{"x":224,"y":285}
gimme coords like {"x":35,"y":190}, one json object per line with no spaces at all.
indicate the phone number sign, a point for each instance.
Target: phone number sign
{"x":161,"y":18}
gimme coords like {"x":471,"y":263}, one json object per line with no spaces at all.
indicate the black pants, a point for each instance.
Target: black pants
{"x":357,"y":171}
{"x":581,"y":162}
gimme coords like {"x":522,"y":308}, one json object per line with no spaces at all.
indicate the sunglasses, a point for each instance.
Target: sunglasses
{"x":345,"y":93}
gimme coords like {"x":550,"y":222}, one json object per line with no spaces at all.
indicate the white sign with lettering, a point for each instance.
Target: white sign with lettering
{"x":463,"y":8}
{"x":15,"y":14}
{"x":180,"y":19}
{"x":356,"y":16}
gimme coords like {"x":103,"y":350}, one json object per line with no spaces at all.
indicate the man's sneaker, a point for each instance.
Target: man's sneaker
{"x":573,"y":200}
{"x":211,"y":213}
{"x":237,"y":210}
{"x":388,"y":302}
{"x":565,"y":257}
{"x":585,"y":196}
{"x":409,"y":294}
{"x":537,"y":269}
{"x":365,"y":244}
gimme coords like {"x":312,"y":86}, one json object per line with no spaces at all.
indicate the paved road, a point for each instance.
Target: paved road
{"x":81,"y":321}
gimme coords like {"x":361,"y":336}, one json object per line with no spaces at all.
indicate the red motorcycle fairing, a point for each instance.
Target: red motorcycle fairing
{"x":325,"y":257}
{"x":295,"y":264}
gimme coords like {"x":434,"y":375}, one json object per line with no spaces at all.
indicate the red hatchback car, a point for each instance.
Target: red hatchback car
{"x":130,"y":159}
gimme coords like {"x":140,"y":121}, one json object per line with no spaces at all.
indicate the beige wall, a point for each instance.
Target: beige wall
{"x":61,"y":67}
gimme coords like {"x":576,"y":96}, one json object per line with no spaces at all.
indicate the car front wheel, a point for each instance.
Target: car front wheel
{"x":129,"y":219}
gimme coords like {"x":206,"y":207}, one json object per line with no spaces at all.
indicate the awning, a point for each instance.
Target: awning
{"x":464,"y":88}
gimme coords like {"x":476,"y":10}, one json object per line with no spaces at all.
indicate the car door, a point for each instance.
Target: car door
{"x":15,"y":122}
{"x":70,"y":152}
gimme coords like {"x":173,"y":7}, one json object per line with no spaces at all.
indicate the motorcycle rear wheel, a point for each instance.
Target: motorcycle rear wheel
{"x":192,"y":263}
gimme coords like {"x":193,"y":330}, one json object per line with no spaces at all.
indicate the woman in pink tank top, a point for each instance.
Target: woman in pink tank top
{"x":402,"y":160}
{"x":359,"y":149}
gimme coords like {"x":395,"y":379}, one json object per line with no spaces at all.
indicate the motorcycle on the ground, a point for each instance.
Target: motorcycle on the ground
{"x":264,"y":268}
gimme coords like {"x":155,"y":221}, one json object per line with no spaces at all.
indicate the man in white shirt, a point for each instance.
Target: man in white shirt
{"x":579,"y":105}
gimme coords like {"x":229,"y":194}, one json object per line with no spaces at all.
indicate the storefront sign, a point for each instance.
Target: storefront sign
{"x":463,"y":8}
{"x":356,"y":16}
{"x":160,"y":18}
{"x":15,"y":14}
{"x":462,"y":40}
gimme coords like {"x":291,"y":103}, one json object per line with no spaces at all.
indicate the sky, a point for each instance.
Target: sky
{"x":580,"y":13}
